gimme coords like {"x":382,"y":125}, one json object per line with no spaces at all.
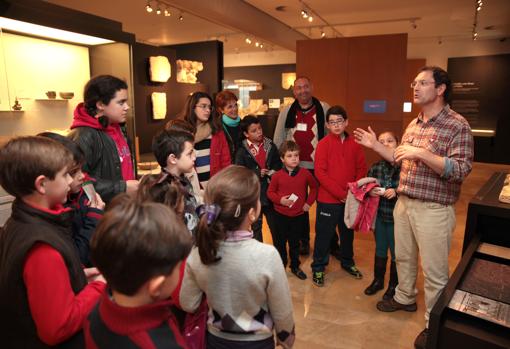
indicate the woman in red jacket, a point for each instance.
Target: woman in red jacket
{"x":212,"y":149}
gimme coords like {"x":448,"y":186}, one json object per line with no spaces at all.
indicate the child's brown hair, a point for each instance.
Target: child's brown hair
{"x":168,"y":142}
{"x":179,"y":125}
{"x":23,"y":159}
{"x":231,"y":193}
{"x":288,"y":146}
{"x":391,"y":133}
{"x":135,"y":242}
{"x":162,"y":188}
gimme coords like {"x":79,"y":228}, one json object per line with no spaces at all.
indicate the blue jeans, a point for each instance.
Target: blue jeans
{"x":328,"y":218}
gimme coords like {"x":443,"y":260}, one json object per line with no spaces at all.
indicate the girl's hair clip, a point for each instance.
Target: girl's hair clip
{"x":238,"y":211}
{"x":211,"y":211}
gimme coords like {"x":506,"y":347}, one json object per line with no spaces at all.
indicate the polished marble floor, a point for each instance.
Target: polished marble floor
{"x":340,"y":315}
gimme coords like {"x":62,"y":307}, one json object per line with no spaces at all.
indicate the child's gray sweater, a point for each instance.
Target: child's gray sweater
{"x":247,"y":292}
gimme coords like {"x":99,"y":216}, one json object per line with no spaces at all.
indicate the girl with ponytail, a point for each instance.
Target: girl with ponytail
{"x":243,"y":279}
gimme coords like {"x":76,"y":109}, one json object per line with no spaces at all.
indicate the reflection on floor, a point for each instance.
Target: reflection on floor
{"x":339,"y":315}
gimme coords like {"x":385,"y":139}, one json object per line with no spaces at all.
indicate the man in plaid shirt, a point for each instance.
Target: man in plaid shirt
{"x":436,"y":155}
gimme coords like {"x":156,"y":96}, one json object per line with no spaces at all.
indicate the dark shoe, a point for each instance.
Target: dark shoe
{"x":392,"y":305}
{"x":318,"y":278}
{"x":299,"y":273}
{"x":390,"y":292}
{"x":354,"y":271}
{"x":374,"y":287}
{"x":379,"y":271}
{"x":304,"y":249}
{"x":421,"y":340}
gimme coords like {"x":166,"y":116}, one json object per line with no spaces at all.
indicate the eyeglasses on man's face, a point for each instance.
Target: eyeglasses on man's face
{"x":336,"y":122}
{"x":422,"y":83}
{"x":205,"y":106}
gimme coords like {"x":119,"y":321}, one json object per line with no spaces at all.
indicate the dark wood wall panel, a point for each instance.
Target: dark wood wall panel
{"x":348,"y":71}
{"x":413,"y":65}
{"x":377,"y":72}
{"x":325,"y":62}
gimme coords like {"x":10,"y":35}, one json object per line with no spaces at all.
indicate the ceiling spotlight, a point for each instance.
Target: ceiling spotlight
{"x":148,"y":7}
{"x":257,"y":44}
{"x":261,"y":45}
{"x":413,"y":24}
{"x":181,"y":18}
{"x":247,"y":40}
{"x":158,"y":10}
{"x":310,"y":19}
{"x":167,"y":13}
{"x":323,"y":34}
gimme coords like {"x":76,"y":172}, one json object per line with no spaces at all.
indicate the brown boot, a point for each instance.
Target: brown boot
{"x":392,"y":305}
{"x":390,"y":292}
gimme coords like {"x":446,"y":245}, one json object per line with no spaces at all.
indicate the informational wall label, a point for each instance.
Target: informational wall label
{"x":466,"y":100}
{"x":377,"y":107}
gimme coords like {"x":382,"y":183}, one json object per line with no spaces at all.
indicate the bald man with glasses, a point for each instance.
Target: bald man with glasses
{"x":436,"y":155}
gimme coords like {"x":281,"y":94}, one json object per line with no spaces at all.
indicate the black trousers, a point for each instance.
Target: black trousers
{"x":329,"y":217}
{"x":305,"y":233}
{"x":289,"y":230}
{"x":256,"y":226}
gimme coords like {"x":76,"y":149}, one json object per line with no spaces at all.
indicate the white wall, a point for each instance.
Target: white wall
{"x":28,"y":68}
{"x":434,"y":53}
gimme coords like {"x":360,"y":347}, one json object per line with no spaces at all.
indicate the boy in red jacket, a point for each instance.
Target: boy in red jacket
{"x":288,"y":191}
{"x":139,"y":248}
{"x":338,"y":161}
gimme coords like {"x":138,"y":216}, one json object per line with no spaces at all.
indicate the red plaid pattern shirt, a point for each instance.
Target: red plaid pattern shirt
{"x":447,"y":134}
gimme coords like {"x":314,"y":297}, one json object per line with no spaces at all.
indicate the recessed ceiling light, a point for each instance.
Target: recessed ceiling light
{"x":50,"y":33}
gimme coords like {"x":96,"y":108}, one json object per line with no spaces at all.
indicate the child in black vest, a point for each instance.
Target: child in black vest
{"x":45,"y":294}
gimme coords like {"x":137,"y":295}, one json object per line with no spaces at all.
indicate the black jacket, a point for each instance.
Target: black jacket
{"x":85,"y":220}
{"x":245,"y":158}
{"x":102,"y":160}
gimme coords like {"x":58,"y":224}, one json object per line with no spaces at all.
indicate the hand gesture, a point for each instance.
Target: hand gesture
{"x":365,"y":138}
{"x":407,"y":152}
{"x":390,"y":193}
{"x":373,"y":192}
{"x":264,"y":172}
{"x":285,"y":201}
{"x":132,"y":186}
{"x":92,"y":274}
{"x":97,"y":202}
{"x":306,"y":207}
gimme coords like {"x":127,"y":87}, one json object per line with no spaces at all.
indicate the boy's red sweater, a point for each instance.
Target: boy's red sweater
{"x":282,"y":184}
{"x":337,"y":163}
{"x":57,"y":311}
